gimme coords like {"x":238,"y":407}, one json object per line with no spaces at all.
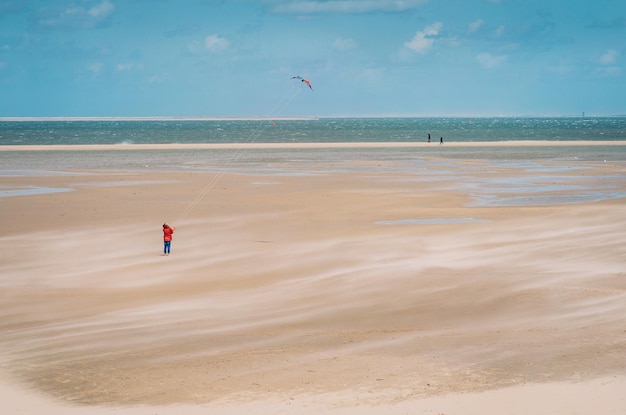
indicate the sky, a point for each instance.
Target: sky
{"x":236,"y":58}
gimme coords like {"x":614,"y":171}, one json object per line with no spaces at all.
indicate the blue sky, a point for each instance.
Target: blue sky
{"x":364,"y":58}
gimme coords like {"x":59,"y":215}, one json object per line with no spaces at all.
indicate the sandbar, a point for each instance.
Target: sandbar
{"x":305,"y":145}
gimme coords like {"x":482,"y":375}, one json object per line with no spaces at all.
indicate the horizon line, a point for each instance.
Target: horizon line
{"x":281,"y":118}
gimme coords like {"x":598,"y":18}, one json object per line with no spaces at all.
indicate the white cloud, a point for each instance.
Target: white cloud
{"x":609,"y":58}
{"x":371,"y":75}
{"x":475,"y":25}
{"x":348,"y":6}
{"x":126,"y":67}
{"x":95,"y":68}
{"x":424,"y":39}
{"x":2,"y":65}
{"x":610,"y":71}
{"x":214,"y":43}
{"x":487,"y":60}
{"x":156,"y":79}
{"x":561,"y":69}
{"x":344,"y":44}
{"x":102,"y":10}
{"x":499,"y":31}
{"x":195,"y":46}
{"x":77,"y":17}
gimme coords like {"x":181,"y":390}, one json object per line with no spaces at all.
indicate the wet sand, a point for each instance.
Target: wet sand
{"x":356,"y":289}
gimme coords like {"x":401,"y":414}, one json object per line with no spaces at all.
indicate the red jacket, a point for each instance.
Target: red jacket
{"x":167,"y":233}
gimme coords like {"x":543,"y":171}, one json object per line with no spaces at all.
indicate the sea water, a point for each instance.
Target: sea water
{"x":326,"y":130}
{"x":426,"y":162}
{"x":239,"y":158}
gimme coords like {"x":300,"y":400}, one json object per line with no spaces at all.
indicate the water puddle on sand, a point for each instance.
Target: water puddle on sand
{"x":543,"y":200}
{"x":431,"y":221}
{"x":6,"y":191}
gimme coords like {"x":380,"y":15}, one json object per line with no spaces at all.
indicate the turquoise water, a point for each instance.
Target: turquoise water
{"x":543,"y":167}
{"x":536,"y":175}
{"x":313,"y":131}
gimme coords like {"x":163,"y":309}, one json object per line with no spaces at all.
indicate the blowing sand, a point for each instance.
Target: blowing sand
{"x":467,"y":287}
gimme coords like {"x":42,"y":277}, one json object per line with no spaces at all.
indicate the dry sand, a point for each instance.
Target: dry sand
{"x":344,"y":292}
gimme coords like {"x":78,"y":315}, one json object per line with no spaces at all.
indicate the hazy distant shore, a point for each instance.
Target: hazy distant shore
{"x":286,"y":118}
{"x":259,"y":118}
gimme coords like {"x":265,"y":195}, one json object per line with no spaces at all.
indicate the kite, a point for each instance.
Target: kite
{"x":306,"y":81}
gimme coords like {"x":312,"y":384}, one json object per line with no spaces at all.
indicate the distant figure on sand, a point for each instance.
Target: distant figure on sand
{"x":429,"y":137}
{"x":440,"y":140}
{"x":167,"y":238}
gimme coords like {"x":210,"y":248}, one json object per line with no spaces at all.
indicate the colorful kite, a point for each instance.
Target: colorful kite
{"x":306,"y":81}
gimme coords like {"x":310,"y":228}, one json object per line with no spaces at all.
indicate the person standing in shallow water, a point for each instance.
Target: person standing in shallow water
{"x":167,"y":238}
{"x":440,"y":140}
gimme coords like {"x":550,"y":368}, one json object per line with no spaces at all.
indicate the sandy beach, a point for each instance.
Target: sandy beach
{"x":460,"y":286}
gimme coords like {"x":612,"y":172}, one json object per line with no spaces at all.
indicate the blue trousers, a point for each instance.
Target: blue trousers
{"x":166,"y":247}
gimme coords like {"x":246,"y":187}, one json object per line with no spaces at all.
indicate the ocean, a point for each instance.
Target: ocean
{"x":325,"y":130}
{"x":241,"y":158}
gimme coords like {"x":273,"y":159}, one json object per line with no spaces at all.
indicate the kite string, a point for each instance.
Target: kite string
{"x":235,"y":156}
{"x":254,"y":135}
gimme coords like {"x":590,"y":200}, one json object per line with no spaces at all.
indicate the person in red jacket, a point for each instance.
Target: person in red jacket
{"x":167,"y":238}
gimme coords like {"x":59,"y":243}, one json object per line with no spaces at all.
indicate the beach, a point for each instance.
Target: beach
{"x":425,"y":283}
